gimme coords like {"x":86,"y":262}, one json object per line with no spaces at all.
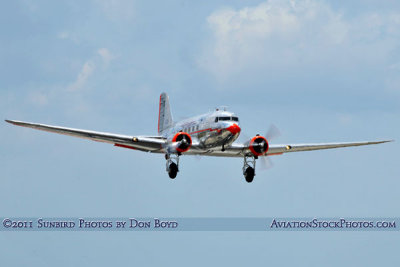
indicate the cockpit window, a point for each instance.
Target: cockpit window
{"x":226,"y":119}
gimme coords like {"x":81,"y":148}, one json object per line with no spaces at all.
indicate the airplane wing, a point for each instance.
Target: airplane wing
{"x":143,"y":143}
{"x":156,"y":144}
{"x":239,"y":150}
{"x":280,"y":149}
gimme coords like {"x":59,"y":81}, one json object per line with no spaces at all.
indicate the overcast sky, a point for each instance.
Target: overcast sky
{"x":321,"y":71}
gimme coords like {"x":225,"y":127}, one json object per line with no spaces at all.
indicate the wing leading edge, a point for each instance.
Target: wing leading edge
{"x":144,"y":143}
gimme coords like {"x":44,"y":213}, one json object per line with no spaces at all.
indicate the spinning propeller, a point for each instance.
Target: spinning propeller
{"x":272,"y":133}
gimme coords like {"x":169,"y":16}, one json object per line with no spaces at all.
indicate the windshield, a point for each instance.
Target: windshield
{"x":226,"y":119}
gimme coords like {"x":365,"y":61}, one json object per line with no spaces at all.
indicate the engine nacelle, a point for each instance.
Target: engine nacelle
{"x":182,"y":142}
{"x":258,"y":145}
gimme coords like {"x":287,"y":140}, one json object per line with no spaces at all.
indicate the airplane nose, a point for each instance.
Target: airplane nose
{"x":234,"y":128}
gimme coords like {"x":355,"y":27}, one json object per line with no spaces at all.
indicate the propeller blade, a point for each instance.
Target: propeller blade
{"x":266,"y":163}
{"x":272,"y":133}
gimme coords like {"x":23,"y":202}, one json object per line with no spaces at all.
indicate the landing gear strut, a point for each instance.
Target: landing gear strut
{"x":172,"y":165}
{"x":249,"y":166}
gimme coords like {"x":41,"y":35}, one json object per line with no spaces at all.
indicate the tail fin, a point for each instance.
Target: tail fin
{"x":164,"y":114}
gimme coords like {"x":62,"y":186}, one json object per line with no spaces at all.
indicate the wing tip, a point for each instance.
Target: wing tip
{"x":18,"y":123}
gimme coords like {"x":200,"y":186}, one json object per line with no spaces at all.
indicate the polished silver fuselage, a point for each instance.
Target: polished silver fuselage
{"x":209,"y":132}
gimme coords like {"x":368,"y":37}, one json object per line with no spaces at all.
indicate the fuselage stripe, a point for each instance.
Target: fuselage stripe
{"x":209,"y":129}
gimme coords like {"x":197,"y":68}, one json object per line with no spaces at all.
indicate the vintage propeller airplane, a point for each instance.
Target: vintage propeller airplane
{"x":210,"y":134}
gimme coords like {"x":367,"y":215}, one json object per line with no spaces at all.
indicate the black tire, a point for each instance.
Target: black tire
{"x":249,"y":174}
{"x":173,"y":170}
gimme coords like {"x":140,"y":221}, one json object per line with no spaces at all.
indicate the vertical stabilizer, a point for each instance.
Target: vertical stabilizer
{"x":164,"y":114}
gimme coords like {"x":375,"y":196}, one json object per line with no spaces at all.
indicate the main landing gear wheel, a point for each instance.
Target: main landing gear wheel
{"x":172,"y":165}
{"x":249,"y":166}
{"x":249,"y":174}
{"x":173,"y":170}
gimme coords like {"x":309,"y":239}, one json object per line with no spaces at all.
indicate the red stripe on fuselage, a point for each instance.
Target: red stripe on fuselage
{"x":209,"y":129}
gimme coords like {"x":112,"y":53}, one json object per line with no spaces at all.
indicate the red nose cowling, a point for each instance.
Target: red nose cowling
{"x":234,"y":129}
{"x":183,"y":146}
{"x":258,"y":145}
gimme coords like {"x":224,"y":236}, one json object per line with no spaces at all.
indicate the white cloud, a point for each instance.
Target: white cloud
{"x":105,"y":55}
{"x":294,"y":34}
{"x":84,"y":74}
